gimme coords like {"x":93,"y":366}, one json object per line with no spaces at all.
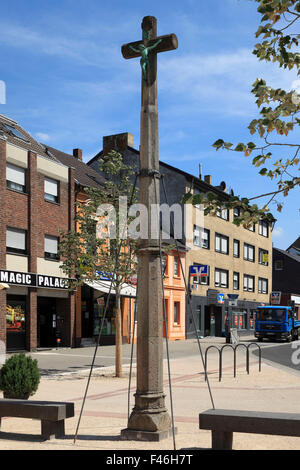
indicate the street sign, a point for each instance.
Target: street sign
{"x":221,"y":298}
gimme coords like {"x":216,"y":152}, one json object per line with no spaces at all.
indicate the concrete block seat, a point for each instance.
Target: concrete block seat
{"x":223,"y":423}
{"x":51,"y":414}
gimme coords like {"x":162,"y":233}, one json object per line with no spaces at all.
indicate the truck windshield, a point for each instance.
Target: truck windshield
{"x":271,"y":314}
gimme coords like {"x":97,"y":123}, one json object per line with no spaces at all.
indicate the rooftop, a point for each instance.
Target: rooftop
{"x":14,"y":134}
{"x":84,"y":175}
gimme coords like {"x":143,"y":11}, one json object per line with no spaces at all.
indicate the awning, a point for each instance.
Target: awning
{"x":105,"y":286}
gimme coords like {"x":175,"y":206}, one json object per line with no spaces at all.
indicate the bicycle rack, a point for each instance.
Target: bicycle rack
{"x":234,"y":348}
{"x":205,"y":364}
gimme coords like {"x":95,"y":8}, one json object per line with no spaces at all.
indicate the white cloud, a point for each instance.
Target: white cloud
{"x":278,"y":232}
{"x":88,"y":51}
{"x":219,"y":82}
{"x":42,"y":137}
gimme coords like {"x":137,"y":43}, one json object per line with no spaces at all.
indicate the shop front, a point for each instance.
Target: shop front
{"x":37,"y":311}
{"x":210,"y":315}
{"x":98,"y":311}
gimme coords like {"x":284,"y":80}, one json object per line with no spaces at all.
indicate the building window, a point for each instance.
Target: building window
{"x":236,"y":248}
{"x":248,"y":283}
{"x":236,"y":212}
{"x":249,"y":252}
{"x":165,"y":265}
{"x":51,"y":190}
{"x":236,"y":281}
{"x":15,"y":178}
{"x":15,"y":322}
{"x":16,"y":241}
{"x":223,"y":214}
{"x":263,"y":228}
{"x":197,"y":191}
{"x":221,"y":278}
{"x":222,"y":244}
{"x":176,"y":313}
{"x":201,"y":237}
{"x":15,"y":133}
{"x":278,"y":265}
{"x":262,"y":285}
{"x":51,"y":248}
{"x":176,"y":266}
{"x":263,"y":257}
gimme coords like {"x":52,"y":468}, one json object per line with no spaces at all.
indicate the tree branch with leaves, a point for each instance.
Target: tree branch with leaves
{"x":97,"y":247}
{"x":278,"y":113}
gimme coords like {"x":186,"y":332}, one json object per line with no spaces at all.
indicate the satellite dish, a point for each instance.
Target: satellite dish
{"x":223,"y":186}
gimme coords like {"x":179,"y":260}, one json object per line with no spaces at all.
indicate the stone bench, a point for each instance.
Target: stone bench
{"x":223,"y":423}
{"x":51,"y":414}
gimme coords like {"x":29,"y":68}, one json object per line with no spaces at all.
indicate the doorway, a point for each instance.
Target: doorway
{"x":46,"y":322}
{"x":213,"y":321}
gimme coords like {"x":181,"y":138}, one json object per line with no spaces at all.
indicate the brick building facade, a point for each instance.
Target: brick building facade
{"x":37,"y":199}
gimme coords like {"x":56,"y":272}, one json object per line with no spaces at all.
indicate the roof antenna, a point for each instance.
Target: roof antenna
{"x":200,"y":171}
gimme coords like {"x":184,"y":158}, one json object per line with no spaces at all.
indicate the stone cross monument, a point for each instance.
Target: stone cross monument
{"x":149,"y":419}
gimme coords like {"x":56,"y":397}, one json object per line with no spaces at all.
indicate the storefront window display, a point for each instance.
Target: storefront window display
{"x":15,"y":316}
{"x":239,"y":319}
{"x":15,"y":322}
{"x":109,"y":327}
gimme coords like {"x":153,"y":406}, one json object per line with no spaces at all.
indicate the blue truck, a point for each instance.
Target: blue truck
{"x":276,"y":322}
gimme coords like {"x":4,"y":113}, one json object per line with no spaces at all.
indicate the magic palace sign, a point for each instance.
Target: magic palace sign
{"x":16,"y":278}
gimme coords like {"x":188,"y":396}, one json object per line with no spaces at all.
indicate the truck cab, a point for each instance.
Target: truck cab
{"x":277,"y":323}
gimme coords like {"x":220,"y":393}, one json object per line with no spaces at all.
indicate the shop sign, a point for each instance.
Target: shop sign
{"x":221,"y":298}
{"x":104,"y":276}
{"x":199,"y":270}
{"x":33,"y":280}
{"x":275,"y":298}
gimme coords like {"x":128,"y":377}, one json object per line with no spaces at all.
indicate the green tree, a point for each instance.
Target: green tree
{"x":99,"y":244}
{"x":278,"y":114}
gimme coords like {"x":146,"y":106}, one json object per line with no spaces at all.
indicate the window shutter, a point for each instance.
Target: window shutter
{"x":223,"y":279}
{"x":51,"y":187}
{"x":15,"y":174}
{"x":16,"y":239}
{"x":51,"y":244}
{"x":224,"y":247}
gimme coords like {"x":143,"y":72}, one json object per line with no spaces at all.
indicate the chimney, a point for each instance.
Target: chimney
{"x":207,"y":179}
{"x":118,"y":142}
{"x":77,"y":153}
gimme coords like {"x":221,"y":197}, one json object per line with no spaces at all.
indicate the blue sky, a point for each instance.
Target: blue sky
{"x":68,"y":84}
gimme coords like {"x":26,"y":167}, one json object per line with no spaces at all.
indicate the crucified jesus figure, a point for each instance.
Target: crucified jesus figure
{"x":144,"y":51}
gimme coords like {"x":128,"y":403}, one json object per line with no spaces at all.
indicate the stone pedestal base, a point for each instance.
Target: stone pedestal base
{"x":155,"y":436}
